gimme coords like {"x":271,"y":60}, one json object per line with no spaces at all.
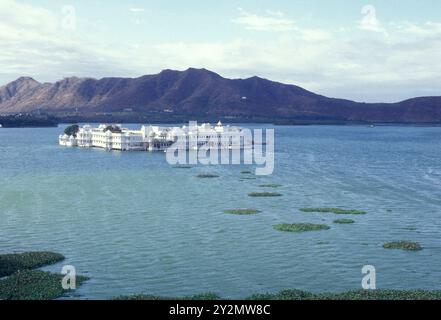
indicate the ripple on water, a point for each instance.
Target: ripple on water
{"x":135,"y":224}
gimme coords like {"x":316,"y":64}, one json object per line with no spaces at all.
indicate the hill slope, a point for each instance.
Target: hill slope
{"x":202,"y":93}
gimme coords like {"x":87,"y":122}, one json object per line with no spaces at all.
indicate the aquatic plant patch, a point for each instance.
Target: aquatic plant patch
{"x":207,"y":175}
{"x":264,"y":194}
{"x":300,"y":227}
{"x":351,"y":295}
{"x":270,"y":185}
{"x":294,"y":294}
{"x":11,"y":263}
{"x":203,"y":296}
{"x":332,"y":210}
{"x":403,"y":245}
{"x":34,"y":285}
{"x":409,"y":228}
{"x":242,"y":211}
{"x":344,"y":221}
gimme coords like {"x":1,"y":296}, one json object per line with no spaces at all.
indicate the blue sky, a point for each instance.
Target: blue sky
{"x":361,"y":50}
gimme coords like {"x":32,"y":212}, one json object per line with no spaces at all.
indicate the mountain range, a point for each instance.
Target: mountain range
{"x":201,"y":94}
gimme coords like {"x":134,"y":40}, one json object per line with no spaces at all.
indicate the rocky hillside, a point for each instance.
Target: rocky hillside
{"x":202,"y":93}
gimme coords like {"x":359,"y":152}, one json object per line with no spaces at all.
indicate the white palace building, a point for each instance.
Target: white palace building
{"x":155,"y":138}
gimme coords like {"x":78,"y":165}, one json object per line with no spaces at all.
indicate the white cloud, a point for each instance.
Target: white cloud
{"x":336,"y":63}
{"x":427,"y":29}
{"x":273,"y":21}
{"x":21,"y":16}
{"x":34,"y":42}
{"x":315,"y":34}
{"x":275,"y":13}
{"x":136,"y":10}
{"x":373,"y":69}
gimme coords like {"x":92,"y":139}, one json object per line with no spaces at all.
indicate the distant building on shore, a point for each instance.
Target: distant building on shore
{"x":155,"y":138}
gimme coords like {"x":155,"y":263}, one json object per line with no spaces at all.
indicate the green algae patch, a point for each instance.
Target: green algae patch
{"x":294,"y":294}
{"x":351,"y":295}
{"x":207,"y":175}
{"x":409,"y":228}
{"x":332,"y":210}
{"x":403,"y":245}
{"x":300,"y":227}
{"x":203,"y":296}
{"x":270,"y":185}
{"x":242,"y":211}
{"x":264,"y":194}
{"x":11,"y":263}
{"x":344,"y":221}
{"x":382,"y":295}
{"x":34,"y":285}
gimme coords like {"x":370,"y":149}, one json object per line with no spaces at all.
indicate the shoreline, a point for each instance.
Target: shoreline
{"x":305,"y":124}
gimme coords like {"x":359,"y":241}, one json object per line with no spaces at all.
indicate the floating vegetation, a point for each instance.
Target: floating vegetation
{"x":403,"y":245}
{"x":248,"y":178}
{"x":270,"y":185}
{"x":300,"y":227}
{"x":264,"y":194}
{"x":294,"y":294}
{"x":344,"y":221}
{"x":182,"y":166}
{"x":203,"y":296}
{"x":332,"y":210}
{"x":11,"y":263}
{"x":351,"y":295}
{"x":246,"y":172}
{"x":26,"y":284}
{"x":242,"y":211}
{"x":34,"y":285}
{"x":409,"y":228}
{"x":207,"y":175}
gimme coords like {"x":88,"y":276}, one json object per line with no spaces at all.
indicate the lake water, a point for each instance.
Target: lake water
{"x":134,"y":224}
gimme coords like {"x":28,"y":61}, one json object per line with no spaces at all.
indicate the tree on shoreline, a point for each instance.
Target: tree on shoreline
{"x":72,"y":130}
{"x":113,"y":129}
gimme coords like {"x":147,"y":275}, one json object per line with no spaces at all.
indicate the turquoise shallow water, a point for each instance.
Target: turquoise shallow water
{"x":134,"y":224}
